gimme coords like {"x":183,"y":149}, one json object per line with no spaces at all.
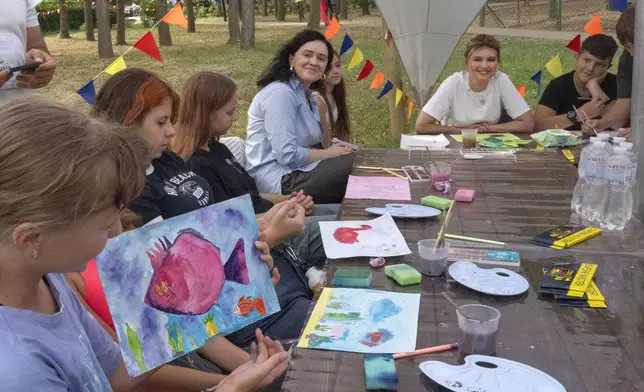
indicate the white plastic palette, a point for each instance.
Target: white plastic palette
{"x":481,"y":373}
{"x":405,"y":211}
{"x":495,"y":281}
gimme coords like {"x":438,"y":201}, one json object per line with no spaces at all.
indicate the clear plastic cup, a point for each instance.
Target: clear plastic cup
{"x":432,"y":263}
{"x":469,"y":137}
{"x":480,"y":326}
{"x":440,"y":172}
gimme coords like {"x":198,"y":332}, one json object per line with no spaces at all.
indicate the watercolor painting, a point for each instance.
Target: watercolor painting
{"x":172,"y":285}
{"x":363,"y":321}
{"x":377,"y":237}
{"x":383,"y":188}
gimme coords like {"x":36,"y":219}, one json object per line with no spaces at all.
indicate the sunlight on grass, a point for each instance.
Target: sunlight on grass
{"x":206,"y":50}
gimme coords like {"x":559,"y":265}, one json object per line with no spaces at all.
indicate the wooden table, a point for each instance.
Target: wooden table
{"x":516,"y":197}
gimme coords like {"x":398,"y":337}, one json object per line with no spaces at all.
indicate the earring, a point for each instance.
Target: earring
{"x":34,"y":254}
{"x":323,"y":76}
{"x":291,"y":68}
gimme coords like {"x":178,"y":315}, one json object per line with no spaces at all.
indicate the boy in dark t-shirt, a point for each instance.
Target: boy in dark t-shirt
{"x":589,"y":88}
{"x":618,"y":115}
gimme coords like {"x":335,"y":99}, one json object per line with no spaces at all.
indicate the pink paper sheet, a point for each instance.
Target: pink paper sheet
{"x":382,"y":188}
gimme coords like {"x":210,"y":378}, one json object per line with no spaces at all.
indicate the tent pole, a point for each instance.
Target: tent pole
{"x":637,"y":108}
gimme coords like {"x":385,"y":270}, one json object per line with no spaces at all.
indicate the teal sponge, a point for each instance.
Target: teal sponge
{"x":404,"y":274}
{"x":380,"y":372}
{"x":436,"y":202}
{"x":352,"y":277}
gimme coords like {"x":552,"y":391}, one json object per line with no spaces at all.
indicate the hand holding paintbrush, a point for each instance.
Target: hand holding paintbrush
{"x":584,"y":119}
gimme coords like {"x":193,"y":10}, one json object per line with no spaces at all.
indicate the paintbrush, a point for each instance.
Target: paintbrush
{"x":588,"y":120}
{"x":457,"y":159}
{"x":440,"y":238}
{"x":583,"y":121}
{"x":451,"y":301}
{"x":433,"y":161}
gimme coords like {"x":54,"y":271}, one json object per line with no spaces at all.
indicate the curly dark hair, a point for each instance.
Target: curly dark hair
{"x":280,"y":66}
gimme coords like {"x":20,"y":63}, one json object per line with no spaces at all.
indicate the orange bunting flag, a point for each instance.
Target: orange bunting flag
{"x":410,"y":106}
{"x":333,"y":29}
{"x":594,"y":26}
{"x":176,"y":17}
{"x":378,"y":80}
{"x":521,"y":90}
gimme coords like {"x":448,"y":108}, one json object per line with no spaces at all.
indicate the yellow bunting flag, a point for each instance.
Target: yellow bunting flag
{"x":117,"y":66}
{"x":594,"y":26}
{"x":521,"y":90}
{"x":410,"y":106}
{"x":333,"y":29}
{"x":176,"y":17}
{"x":378,"y":80}
{"x":399,"y":95}
{"x":554,"y":67}
{"x":356,"y":59}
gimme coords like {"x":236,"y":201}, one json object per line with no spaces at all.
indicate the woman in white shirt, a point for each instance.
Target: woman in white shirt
{"x":331,"y":96}
{"x":476,"y":97}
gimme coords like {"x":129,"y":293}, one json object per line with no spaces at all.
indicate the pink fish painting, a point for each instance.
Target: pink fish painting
{"x":189,"y":275}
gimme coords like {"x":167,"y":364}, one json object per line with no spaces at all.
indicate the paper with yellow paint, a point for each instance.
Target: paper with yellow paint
{"x":506,"y":137}
{"x":555,"y":67}
{"x":399,"y":95}
{"x":117,"y":66}
{"x":363,"y":321}
{"x":356,"y":59}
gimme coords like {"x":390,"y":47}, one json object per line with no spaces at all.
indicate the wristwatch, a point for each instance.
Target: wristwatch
{"x":572,"y":116}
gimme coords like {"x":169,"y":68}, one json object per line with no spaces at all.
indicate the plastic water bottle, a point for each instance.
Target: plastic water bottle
{"x":580,"y":189}
{"x":594,"y":199}
{"x":620,"y":199}
{"x":633,"y":157}
{"x":618,"y":140}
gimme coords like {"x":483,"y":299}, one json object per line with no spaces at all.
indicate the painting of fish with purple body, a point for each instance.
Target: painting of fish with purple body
{"x":172,"y":285}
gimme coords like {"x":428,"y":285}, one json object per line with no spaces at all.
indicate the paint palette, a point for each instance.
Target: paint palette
{"x":496,"y":281}
{"x":482,"y":373}
{"x":412,"y":211}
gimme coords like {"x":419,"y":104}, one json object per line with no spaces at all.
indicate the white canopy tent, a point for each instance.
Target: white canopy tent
{"x":426,"y":33}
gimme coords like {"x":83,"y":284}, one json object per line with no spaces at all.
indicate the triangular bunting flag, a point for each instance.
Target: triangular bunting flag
{"x":378,"y":80}
{"x":554,"y":67}
{"x":575,"y":44}
{"x":410,"y":107}
{"x":88,"y":92}
{"x":356,"y":59}
{"x":323,"y":12}
{"x":333,"y":29}
{"x":386,"y":89}
{"x":537,"y":79}
{"x":117,"y":66}
{"x":176,"y":17}
{"x":347,"y":43}
{"x":366,"y":70}
{"x":594,"y":26}
{"x":521,"y":90}
{"x":148,"y":45}
{"x":619,"y":5}
{"x":399,"y":95}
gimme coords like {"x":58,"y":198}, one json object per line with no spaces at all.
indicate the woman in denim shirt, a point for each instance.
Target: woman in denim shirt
{"x":284,"y":144}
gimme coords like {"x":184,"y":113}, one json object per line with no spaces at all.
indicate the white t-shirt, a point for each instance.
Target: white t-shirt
{"x":455,"y":104}
{"x":15,"y":18}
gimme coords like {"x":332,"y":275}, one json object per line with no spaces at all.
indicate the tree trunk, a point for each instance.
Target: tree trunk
{"x":223,"y":6}
{"x":393,"y":70}
{"x":281,"y":10}
{"x":248,"y":24}
{"x":344,"y":10}
{"x":190,"y":15}
{"x":64,"y":19}
{"x":365,"y":6}
{"x":265,"y":12}
{"x":314,"y":15}
{"x":104,"y":30}
{"x":120,"y":22}
{"x":164,"y":30}
{"x":89,"y":21}
{"x":233,"y":22}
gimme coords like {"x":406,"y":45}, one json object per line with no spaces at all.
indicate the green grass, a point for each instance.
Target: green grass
{"x":206,"y":50}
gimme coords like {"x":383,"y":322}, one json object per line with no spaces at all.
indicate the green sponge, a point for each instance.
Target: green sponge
{"x":352,"y":277}
{"x":404,"y":274}
{"x":436,"y":202}
{"x":380,"y":372}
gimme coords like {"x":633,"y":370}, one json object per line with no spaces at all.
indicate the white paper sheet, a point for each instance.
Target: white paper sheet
{"x":410,"y":142}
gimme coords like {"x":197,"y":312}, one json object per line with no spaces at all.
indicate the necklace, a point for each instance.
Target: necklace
{"x":480,"y":95}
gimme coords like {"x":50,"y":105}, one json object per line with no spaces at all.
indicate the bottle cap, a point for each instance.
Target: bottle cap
{"x":603,"y":136}
{"x":619,"y":150}
{"x":626,"y":145}
{"x":618,"y":140}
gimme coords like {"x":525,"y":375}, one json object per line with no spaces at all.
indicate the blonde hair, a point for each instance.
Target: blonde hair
{"x":483,"y":41}
{"x":58,"y":166}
